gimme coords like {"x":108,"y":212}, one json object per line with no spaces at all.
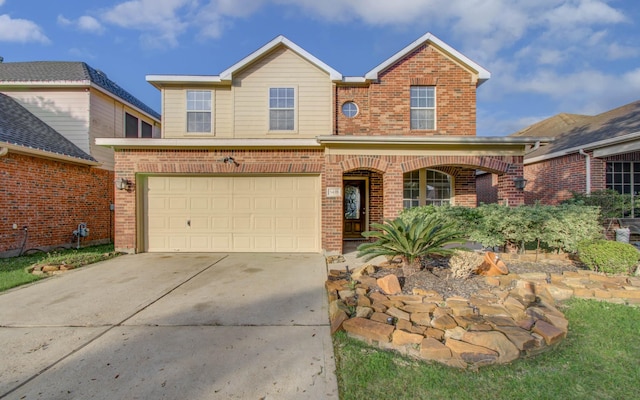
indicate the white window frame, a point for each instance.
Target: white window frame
{"x":201,"y":107}
{"x":423,"y":192}
{"x":291,"y":107}
{"x":423,"y":107}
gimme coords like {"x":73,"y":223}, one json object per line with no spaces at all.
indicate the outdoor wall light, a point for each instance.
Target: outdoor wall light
{"x":123,"y":184}
{"x":230,"y":160}
{"x":520,"y":183}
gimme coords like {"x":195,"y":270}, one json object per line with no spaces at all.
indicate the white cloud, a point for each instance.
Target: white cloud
{"x":1,"y":3}
{"x":89,"y":24}
{"x":64,"y":21}
{"x":20,"y":30}
{"x":85,"y":23}
{"x":159,"y":20}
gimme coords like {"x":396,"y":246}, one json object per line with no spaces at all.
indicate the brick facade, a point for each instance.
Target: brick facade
{"x":384,"y":106}
{"x":51,"y":198}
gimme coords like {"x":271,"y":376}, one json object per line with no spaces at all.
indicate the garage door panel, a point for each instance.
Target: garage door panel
{"x":247,"y":213}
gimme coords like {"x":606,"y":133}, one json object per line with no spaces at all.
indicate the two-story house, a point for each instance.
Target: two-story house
{"x":282,"y":153}
{"x":47,"y":192}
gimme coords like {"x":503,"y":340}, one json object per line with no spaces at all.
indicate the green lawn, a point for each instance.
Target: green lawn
{"x":13,"y":270}
{"x":599,"y":359}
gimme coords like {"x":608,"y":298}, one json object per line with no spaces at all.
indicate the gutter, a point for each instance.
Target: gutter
{"x":46,"y":154}
{"x":587,"y":170}
{"x":487,"y":140}
{"x":159,"y":143}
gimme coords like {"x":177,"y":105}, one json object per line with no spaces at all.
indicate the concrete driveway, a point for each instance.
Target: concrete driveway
{"x":171,"y":326}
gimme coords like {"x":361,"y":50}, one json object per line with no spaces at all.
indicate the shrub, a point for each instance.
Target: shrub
{"x":412,"y":241}
{"x":611,"y":203}
{"x":608,"y":256}
{"x":464,"y":263}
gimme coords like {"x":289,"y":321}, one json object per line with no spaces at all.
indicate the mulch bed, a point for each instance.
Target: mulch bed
{"x":437,"y":276}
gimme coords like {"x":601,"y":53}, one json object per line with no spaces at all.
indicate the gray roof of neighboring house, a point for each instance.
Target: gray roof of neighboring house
{"x":68,"y":71}
{"x":19,"y":127}
{"x":572,"y":130}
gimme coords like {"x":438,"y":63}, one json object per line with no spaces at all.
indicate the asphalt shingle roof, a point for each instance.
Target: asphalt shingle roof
{"x":571,"y":130}
{"x":19,"y":127}
{"x":67,"y":71}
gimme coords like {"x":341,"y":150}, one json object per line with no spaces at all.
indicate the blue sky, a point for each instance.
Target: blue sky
{"x":545,"y":56}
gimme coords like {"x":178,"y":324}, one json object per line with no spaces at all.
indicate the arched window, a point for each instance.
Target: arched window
{"x":426,"y":187}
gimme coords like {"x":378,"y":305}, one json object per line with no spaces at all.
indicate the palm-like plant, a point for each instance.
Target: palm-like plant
{"x":412,"y":241}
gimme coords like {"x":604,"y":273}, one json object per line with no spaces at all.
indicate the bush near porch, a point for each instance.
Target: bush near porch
{"x":549,"y":228}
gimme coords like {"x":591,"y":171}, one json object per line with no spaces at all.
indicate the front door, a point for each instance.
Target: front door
{"x":355,"y":212}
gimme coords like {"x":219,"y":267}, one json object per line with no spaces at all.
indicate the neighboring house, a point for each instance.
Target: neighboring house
{"x":280,"y":152}
{"x":588,"y":153}
{"x":80,"y":103}
{"x":49,"y":185}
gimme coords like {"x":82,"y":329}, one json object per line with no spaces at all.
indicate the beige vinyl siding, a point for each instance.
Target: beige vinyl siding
{"x":66,"y":111}
{"x":104,"y":123}
{"x":282,"y":68}
{"x":174,"y":112}
{"x":223,"y":100}
{"x":107,"y":120}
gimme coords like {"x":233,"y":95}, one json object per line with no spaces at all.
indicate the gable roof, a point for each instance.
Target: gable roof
{"x":573,"y":132}
{"x":51,"y":72}
{"x":227,"y":75}
{"x":483,"y":74}
{"x":21,"y":129}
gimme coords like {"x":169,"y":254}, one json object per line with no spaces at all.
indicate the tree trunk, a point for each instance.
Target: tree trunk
{"x":410,"y":268}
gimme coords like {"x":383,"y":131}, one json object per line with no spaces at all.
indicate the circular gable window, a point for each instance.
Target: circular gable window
{"x":349,"y":109}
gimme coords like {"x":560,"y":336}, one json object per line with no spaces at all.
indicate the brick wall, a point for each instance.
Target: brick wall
{"x":552,"y":181}
{"x":51,"y":198}
{"x":487,"y":188}
{"x":199,"y":162}
{"x":384,"y":106}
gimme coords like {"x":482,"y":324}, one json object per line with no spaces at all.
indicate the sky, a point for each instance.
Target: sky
{"x":545,"y":56}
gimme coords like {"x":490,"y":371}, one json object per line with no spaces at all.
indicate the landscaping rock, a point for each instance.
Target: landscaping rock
{"x":401,"y":338}
{"x":369,"y":329}
{"x":337,"y":320}
{"x":363,"y":312}
{"x":397,"y":313}
{"x":444,"y":322}
{"x":470,"y":353}
{"x":496,"y":341}
{"x":548,"y":332}
{"x":389,"y":284}
{"x":432,"y":349}
{"x":521,"y":338}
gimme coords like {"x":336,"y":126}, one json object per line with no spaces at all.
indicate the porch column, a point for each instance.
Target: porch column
{"x":507,"y":192}
{"x":332,"y":206}
{"x":392,"y":192}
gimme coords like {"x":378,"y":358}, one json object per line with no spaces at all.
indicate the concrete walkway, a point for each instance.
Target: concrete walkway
{"x":171,"y":326}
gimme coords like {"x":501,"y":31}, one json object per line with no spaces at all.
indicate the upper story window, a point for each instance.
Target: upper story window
{"x":350,"y":109}
{"x":426,"y":187}
{"x":198,"y":111}
{"x":136,"y":128}
{"x":281,"y":109}
{"x":423,"y":107}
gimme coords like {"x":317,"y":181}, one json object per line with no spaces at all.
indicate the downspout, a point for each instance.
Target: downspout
{"x":587,"y":169}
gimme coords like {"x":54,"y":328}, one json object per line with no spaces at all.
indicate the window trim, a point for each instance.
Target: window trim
{"x":434,"y":108}
{"x":294,"y":109}
{"x":200,"y":111}
{"x":352,"y":103}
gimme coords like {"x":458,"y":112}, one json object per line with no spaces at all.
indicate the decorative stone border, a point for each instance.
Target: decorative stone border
{"x":518,"y":318}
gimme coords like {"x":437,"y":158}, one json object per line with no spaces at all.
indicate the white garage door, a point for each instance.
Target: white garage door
{"x":235,"y":214}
